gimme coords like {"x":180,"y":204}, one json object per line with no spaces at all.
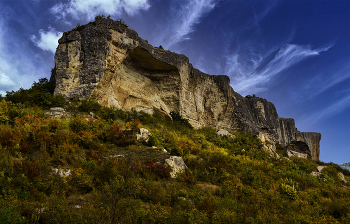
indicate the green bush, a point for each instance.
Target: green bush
{"x":40,"y":94}
{"x":89,"y":105}
{"x":11,"y":216}
{"x":290,"y":188}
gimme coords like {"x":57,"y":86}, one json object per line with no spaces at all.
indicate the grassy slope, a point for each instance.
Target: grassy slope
{"x":116,"y":179}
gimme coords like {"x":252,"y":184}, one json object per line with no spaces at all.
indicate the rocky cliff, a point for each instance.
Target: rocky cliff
{"x":110,"y":63}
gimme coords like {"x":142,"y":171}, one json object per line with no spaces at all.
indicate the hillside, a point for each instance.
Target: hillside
{"x":86,"y":166}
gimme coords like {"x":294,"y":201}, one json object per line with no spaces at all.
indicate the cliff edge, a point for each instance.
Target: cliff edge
{"x":110,"y":63}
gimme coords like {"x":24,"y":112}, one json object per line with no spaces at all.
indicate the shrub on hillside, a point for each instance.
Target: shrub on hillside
{"x":40,"y":94}
{"x":89,"y":105}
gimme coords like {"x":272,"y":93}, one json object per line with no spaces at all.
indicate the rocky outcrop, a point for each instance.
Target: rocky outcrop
{"x":112,"y":64}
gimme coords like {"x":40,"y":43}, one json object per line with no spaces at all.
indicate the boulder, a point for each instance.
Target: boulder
{"x":176,"y":164}
{"x":143,"y":136}
{"x":291,"y":153}
{"x":57,"y":112}
{"x":61,"y":172}
{"x":342,"y":177}
{"x":320,"y":168}
{"x":223,"y":132}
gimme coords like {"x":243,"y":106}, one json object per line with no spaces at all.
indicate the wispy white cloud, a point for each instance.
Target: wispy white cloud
{"x":92,"y":8}
{"x":324,"y":81}
{"x":257,"y":17}
{"x":184,"y":20}
{"x":254,"y":75}
{"x":47,"y":40}
{"x":331,"y":110}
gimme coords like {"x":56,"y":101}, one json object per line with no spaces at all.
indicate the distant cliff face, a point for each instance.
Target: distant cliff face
{"x":112,"y":64}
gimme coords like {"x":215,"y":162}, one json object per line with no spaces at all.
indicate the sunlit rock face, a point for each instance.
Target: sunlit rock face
{"x":113,"y":65}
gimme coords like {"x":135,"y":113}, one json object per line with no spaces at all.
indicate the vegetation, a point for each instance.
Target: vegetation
{"x":115,"y":179}
{"x":249,"y":96}
{"x":98,"y":17}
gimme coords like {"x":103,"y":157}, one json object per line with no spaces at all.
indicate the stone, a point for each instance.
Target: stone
{"x":187,"y":199}
{"x":61,"y":172}
{"x":315,"y":174}
{"x":320,"y":168}
{"x":57,"y":112}
{"x":40,"y":210}
{"x":342,"y":177}
{"x":223,"y":132}
{"x":143,"y":136}
{"x":111,"y":64}
{"x":319,"y":175}
{"x":177,"y":165}
{"x":291,"y":153}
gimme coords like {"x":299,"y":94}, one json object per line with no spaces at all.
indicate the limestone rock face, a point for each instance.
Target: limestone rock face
{"x":113,"y":65}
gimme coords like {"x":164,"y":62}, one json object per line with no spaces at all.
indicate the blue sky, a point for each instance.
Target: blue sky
{"x":294,"y":53}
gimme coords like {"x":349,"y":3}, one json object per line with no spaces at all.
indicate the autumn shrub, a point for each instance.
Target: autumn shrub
{"x":7,"y":136}
{"x":106,"y":172}
{"x":211,"y":135}
{"x":259,"y":154}
{"x":224,"y":216}
{"x":207,"y":205}
{"x":86,"y":139}
{"x":81,"y":181}
{"x":304,"y":164}
{"x":159,"y":169}
{"x":30,"y":168}
{"x":331,"y":173}
{"x":118,"y":136}
{"x":4,"y":116}
{"x":157,"y":138}
{"x":187,"y":177}
{"x":180,"y":214}
{"x":290,"y":188}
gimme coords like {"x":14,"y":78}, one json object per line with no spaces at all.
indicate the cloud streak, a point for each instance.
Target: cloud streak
{"x":47,"y":40}
{"x":331,"y":110}
{"x":92,"y":8}
{"x":322,"y":83}
{"x":186,"y":17}
{"x":255,"y":75}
